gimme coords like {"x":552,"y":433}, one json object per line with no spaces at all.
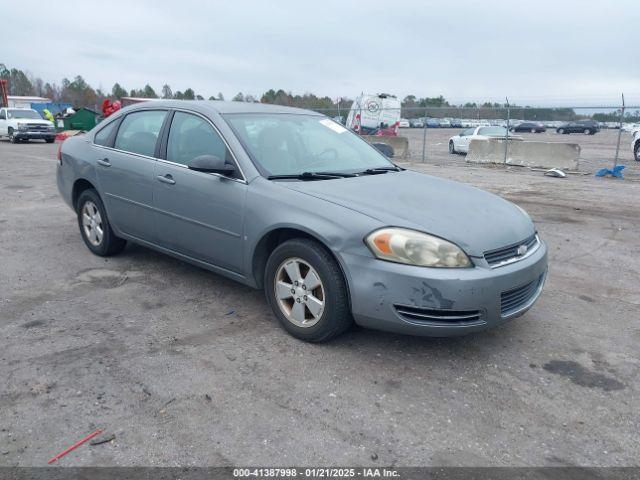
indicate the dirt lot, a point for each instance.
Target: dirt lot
{"x":188,"y":368}
{"x":597,"y":151}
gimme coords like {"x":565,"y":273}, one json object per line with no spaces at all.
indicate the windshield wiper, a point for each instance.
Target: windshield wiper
{"x":311,"y":176}
{"x":377,"y":170}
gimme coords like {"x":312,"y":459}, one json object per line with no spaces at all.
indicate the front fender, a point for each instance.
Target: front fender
{"x":271,"y":207}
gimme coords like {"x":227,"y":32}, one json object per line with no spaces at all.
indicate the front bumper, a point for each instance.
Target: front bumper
{"x":34,"y":135}
{"x":439,"y":301}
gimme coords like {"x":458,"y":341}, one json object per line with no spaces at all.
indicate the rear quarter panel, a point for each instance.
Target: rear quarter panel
{"x":76,"y":163}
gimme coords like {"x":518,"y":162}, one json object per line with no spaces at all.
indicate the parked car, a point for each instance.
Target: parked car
{"x":635,"y":145}
{"x":404,"y":123}
{"x":445,"y":123}
{"x":460,"y":143}
{"x":291,"y":202}
{"x":24,"y":124}
{"x":456,"y":123}
{"x":416,"y":123}
{"x":533,"y":127}
{"x":433,"y":123}
{"x":588,"y":127}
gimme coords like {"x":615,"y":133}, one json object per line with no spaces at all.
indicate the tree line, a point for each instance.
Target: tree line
{"x":80,"y":94}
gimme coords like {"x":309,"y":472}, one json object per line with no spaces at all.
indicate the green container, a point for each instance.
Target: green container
{"x":83,"y":119}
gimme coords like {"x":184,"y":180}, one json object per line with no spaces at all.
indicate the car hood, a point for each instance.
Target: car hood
{"x":34,"y":121}
{"x":475,"y":220}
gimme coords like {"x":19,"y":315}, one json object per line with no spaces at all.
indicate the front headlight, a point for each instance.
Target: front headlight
{"x":22,"y":127}
{"x":401,"y":245}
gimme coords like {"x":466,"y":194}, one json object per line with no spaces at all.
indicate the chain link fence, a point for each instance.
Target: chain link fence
{"x":604,"y":133}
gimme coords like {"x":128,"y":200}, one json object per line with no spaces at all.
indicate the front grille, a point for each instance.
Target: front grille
{"x":514,"y":299}
{"x":499,"y":256}
{"x":37,"y":127}
{"x":434,"y":316}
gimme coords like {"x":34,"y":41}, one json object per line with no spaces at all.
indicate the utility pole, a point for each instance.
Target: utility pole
{"x":424,"y":137}
{"x":615,"y":160}
{"x":506,"y":139}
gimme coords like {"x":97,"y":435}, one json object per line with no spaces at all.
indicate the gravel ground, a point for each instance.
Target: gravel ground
{"x":188,"y":368}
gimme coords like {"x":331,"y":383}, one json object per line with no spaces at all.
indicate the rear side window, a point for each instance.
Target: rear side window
{"x":191,"y":136}
{"x":103,"y":135}
{"x":138,"y":132}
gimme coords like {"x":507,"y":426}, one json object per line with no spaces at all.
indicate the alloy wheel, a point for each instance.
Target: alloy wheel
{"x":92,"y":223}
{"x":299,"y":292}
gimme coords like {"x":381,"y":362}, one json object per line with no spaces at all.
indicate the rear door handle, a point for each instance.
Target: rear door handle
{"x":166,"y":179}
{"x":104,"y":162}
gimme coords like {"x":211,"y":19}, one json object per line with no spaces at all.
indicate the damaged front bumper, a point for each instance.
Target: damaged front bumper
{"x":442,"y":301}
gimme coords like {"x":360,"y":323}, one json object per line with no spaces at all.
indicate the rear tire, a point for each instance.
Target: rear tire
{"x":306,"y":290}
{"x":561,"y":131}
{"x":94,"y":225}
{"x":49,"y":140}
{"x":533,"y":130}
{"x":587,"y":131}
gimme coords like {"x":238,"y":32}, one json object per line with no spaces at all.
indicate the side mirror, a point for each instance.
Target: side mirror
{"x":211,"y":164}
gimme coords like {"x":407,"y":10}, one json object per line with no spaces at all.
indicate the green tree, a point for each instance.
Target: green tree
{"x":166,"y":91}
{"x":149,"y":92}
{"x":220,"y":96}
{"x":117,"y":91}
{"x":238,"y":98}
{"x":189,"y":94}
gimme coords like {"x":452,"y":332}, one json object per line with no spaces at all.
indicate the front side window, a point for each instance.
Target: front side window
{"x":138,"y":132}
{"x":191,"y":136}
{"x":290,"y":144}
{"x":103,"y":135}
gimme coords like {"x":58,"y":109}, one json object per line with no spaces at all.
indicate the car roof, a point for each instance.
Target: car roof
{"x":221,"y":107}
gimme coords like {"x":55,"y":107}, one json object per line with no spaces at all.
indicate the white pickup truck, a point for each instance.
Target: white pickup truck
{"x":23,"y":124}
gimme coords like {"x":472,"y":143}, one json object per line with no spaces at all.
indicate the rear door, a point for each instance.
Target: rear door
{"x":199,"y":214}
{"x":125,"y":165}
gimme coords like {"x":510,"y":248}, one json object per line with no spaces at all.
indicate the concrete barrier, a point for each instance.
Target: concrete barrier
{"x":400,"y":145}
{"x":526,"y":154}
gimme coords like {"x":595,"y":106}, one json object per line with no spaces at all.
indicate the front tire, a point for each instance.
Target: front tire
{"x":587,"y":131}
{"x":452,"y":147}
{"x":636,"y":152}
{"x":94,"y":225}
{"x":561,"y":131}
{"x":12,"y":137}
{"x":49,"y":140}
{"x":306,"y":290}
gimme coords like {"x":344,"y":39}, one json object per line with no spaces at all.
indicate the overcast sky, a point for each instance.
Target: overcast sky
{"x":533,"y":51}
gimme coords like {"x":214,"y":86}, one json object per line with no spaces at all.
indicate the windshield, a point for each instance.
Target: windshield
{"x":22,"y":113}
{"x":493,"y":131}
{"x":290,"y":144}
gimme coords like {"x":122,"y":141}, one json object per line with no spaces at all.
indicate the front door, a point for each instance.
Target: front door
{"x":126,"y":172}
{"x":3,"y":122}
{"x":199,"y":214}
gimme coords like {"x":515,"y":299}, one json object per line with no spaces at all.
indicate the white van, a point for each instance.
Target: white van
{"x":372,"y":112}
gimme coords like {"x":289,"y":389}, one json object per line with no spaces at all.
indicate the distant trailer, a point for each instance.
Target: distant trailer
{"x":126,"y":101}
{"x":15,"y":101}
{"x":375,"y":113}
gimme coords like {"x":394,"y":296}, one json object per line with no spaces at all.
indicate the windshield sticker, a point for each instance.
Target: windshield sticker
{"x":333,"y":125}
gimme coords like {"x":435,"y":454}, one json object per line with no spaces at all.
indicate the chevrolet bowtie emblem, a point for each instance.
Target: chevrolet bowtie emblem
{"x":522,"y":249}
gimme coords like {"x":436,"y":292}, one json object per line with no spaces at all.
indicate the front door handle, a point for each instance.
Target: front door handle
{"x":104,"y":162}
{"x":166,"y":179}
